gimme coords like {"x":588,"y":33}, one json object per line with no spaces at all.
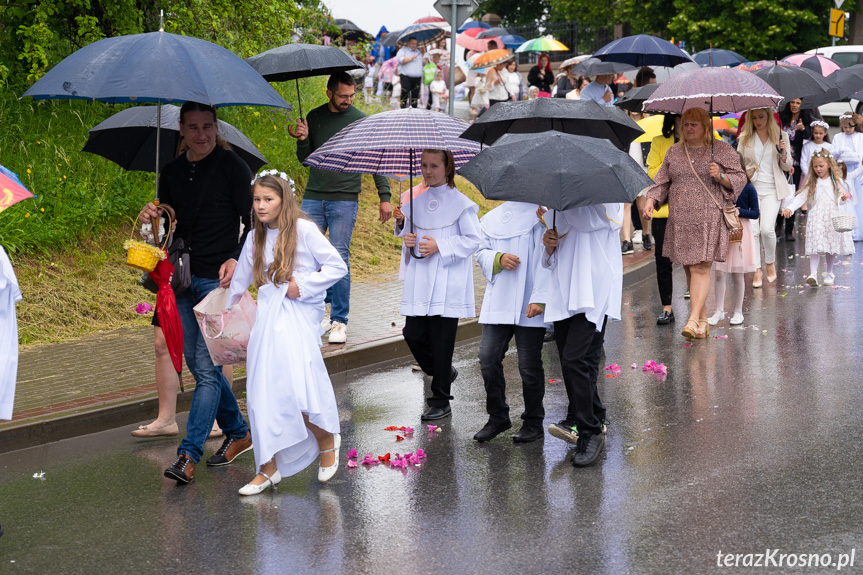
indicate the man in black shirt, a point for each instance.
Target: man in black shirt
{"x":208,"y":187}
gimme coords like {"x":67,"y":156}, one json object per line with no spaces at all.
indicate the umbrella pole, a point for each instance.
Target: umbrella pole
{"x":413,"y":250}
{"x":158,"y":147}
{"x":299,"y":100}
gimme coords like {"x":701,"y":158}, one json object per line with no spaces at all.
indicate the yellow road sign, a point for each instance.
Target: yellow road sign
{"x":837,"y":23}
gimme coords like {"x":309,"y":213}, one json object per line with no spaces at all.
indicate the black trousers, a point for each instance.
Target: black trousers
{"x":663,"y":264}
{"x":580,"y":349}
{"x":431,"y":340}
{"x":410,"y":90}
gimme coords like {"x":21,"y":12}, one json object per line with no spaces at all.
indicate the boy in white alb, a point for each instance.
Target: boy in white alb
{"x":510,"y":257}
{"x":10,"y":294}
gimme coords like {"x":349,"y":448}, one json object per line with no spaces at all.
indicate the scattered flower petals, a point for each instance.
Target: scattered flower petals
{"x":391,"y":428}
{"x":433,"y":428}
{"x":413,"y":459}
{"x":352,"y":464}
{"x":40,"y":475}
{"x":352,"y":453}
{"x":634,"y":366}
{"x":687,"y":345}
{"x":399,"y":462}
{"x":384,"y":458}
{"x":657,"y":368}
{"x":553,"y":381}
{"x":369,"y":459}
{"x":615,"y":368}
{"x":399,"y":438}
{"x":609,"y":375}
{"x":408,"y":430}
{"x":143,"y":308}
{"x":720,"y":337}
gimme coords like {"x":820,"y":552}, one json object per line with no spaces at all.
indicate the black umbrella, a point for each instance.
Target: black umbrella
{"x":295,"y":61}
{"x":493,"y":33}
{"x":792,"y":82}
{"x":391,"y":39}
{"x":848,"y":80}
{"x":561,"y":171}
{"x":642,"y":50}
{"x":582,"y":117}
{"x":634,"y":99}
{"x":717,"y":57}
{"x":128,"y":138}
{"x":596,"y":67}
{"x":351,"y":31}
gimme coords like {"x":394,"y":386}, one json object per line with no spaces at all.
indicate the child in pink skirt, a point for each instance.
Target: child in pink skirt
{"x":741,"y":259}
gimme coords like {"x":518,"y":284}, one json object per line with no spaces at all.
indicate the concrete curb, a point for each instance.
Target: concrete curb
{"x":338,"y":361}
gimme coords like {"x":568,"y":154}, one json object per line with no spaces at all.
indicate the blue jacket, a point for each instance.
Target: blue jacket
{"x":381,"y":53}
{"x":747,"y":203}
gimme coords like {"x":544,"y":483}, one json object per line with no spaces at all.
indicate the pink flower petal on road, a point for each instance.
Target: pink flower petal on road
{"x":352,"y":453}
{"x":352,"y":463}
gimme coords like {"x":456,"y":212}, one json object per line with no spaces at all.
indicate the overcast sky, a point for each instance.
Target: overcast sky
{"x":370,"y":15}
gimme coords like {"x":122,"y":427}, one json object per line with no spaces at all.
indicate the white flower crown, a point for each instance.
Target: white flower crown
{"x":824,"y":125}
{"x":846,"y":116}
{"x":275,"y":173}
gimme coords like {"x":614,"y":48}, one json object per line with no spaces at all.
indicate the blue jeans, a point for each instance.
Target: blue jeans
{"x":213,"y":398}
{"x":339,"y":218}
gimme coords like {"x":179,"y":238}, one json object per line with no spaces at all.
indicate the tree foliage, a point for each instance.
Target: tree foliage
{"x":516,"y":12}
{"x":37,"y":35}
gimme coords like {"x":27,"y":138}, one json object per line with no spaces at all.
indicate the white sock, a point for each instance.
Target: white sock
{"x":829,"y":259}
{"x":719,"y":290}
{"x":739,"y":284}
{"x":814,"y":260}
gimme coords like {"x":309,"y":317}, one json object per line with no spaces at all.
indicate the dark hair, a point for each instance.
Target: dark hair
{"x":669,"y":125}
{"x":411,"y":38}
{"x":644,"y":76}
{"x":197,"y":107}
{"x":580,"y":81}
{"x":490,"y":42}
{"x":805,"y":117}
{"x":449,"y":165}
{"x":340,"y":78}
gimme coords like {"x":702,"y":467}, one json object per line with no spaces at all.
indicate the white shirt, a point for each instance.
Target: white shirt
{"x":596,"y":92}
{"x":10,"y":294}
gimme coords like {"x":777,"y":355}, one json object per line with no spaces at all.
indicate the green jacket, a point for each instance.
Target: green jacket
{"x":326,"y":184}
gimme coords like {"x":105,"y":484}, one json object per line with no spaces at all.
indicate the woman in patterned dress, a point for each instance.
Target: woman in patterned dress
{"x":696,"y":235}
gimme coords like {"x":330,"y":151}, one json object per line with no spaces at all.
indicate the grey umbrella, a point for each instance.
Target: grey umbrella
{"x":391,"y":39}
{"x":294,"y":61}
{"x":582,"y":117}
{"x":560,"y":171}
{"x":128,"y":138}
{"x":634,"y":99}
{"x":596,"y":67}
{"x":792,"y":82}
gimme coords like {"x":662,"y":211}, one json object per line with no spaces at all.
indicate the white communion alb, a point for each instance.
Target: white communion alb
{"x":512,"y":228}
{"x":440,"y":284}
{"x":587,"y":266}
{"x":10,"y":294}
{"x":286,"y":372}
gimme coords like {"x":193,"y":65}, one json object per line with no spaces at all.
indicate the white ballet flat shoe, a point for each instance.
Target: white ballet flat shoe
{"x":250,"y":489}
{"x":326,"y":473}
{"x":828,"y":279}
{"x":736,"y":319}
{"x":716,"y":318}
{"x":812,"y":280}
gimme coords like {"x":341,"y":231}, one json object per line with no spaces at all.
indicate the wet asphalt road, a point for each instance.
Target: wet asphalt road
{"x":751,"y":443}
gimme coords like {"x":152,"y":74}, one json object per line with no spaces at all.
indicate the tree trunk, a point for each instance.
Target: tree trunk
{"x":855,"y":24}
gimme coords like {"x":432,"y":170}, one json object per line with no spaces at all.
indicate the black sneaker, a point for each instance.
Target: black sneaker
{"x":647,"y":243}
{"x":626,"y":248}
{"x":564,"y":430}
{"x":182,"y":471}
{"x":230,"y":450}
{"x":590,"y":447}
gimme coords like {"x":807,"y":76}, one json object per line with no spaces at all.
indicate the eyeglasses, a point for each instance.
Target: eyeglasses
{"x":345,"y":96}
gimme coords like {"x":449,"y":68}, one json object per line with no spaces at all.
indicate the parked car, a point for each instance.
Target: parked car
{"x":845,"y":56}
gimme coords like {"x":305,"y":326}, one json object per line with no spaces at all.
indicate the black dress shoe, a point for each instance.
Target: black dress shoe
{"x":491,"y":430}
{"x":453,"y":374}
{"x":665,"y":318}
{"x":528,"y":433}
{"x":590,"y":447}
{"x":789,"y":237}
{"x":432,"y":413}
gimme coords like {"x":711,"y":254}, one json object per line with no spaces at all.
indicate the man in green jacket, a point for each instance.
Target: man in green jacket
{"x":331,"y":198}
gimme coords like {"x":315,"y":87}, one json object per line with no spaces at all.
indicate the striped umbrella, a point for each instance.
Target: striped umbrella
{"x":821,"y":64}
{"x":473,"y":24}
{"x":13,"y":191}
{"x":426,"y":35}
{"x":392,"y":143}
{"x":544,"y":44}
{"x":491,"y":59}
{"x":717,"y":90}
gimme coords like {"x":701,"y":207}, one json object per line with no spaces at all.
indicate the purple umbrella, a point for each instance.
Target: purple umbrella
{"x":386,"y":143}
{"x":717,"y":90}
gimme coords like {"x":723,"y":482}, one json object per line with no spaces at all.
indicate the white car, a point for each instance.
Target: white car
{"x":845,"y":56}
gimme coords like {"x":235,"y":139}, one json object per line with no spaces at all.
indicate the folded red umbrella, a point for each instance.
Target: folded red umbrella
{"x":169,"y":316}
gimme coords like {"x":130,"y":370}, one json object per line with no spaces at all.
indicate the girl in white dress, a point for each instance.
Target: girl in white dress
{"x":10,"y":294}
{"x":292,"y":406}
{"x":848,"y":147}
{"x":818,"y":140}
{"x":823,"y":192}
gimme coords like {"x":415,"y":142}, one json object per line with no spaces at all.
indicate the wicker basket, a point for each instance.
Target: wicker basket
{"x":735,"y":235}
{"x":143,"y":256}
{"x":844,"y":222}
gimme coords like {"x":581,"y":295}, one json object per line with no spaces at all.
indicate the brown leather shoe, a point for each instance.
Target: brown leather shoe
{"x":183,"y":470}
{"x":230,"y":450}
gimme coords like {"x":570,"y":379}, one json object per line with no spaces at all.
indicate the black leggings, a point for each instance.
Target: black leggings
{"x":663,"y":264}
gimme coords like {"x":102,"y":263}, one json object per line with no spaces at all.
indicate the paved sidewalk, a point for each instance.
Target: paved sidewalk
{"x":106,"y":380}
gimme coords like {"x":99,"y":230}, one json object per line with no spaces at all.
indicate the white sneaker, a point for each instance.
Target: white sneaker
{"x":339,"y":333}
{"x":812,"y":280}
{"x":828,"y":279}
{"x":637,"y":237}
{"x":716,"y":318}
{"x":736,"y":319}
{"x":326,"y":324}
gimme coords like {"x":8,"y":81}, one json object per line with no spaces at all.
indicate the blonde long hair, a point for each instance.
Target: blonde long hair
{"x":812,"y":178}
{"x":774,"y":134}
{"x":282,"y":268}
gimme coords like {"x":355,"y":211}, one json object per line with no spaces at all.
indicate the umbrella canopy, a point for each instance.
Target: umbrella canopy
{"x":663,"y":73}
{"x":570,"y":62}
{"x":752,"y":66}
{"x":391,"y":39}
{"x":473,"y":24}
{"x":491,"y":58}
{"x":848,"y":80}
{"x":642,"y":50}
{"x":430,"y":20}
{"x":156,"y":67}
{"x":388,"y":69}
{"x":595,"y":67}
{"x":717,"y":90}
{"x":12,"y":190}
{"x":792,"y":82}
{"x":717,"y":57}
{"x":493,"y":33}
{"x":351,"y":31}
{"x":510,"y":40}
{"x":474,"y":44}
{"x":426,"y":35}
{"x":293,"y":61}
{"x":652,"y":126}
{"x":816,"y":62}
{"x":634,"y":99}
{"x":539,"y":169}
{"x":128,"y":138}
{"x":581,"y":117}
{"x":544,"y":44}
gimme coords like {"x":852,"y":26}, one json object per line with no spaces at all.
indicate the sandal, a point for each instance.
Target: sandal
{"x":688,"y":332}
{"x":701,"y":333}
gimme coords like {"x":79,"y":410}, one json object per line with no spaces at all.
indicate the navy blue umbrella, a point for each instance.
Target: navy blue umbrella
{"x":511,"y":40}
{"x":717,"y":57}
{"x":426,"y":34}
{"x":642,"y":50}
{"x":473,"y":24}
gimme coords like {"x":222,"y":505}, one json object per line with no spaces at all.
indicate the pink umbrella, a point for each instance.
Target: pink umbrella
{"x":388,"y":68}
{"x":474,"y":44}
{"x":821,"y":64}
{"x":430,"y":20}
{"x":717,"y":90}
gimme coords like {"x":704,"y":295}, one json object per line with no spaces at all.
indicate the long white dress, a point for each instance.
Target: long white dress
{"x":821,"y":238}
{"x":850,"y":150}
{"x":809,"y":148}
{"x":512,"y":228}
{"x":440,"y":284}
{"x":587,"y":267}
{"x":286,"y":372}
{"x":10,"y":294}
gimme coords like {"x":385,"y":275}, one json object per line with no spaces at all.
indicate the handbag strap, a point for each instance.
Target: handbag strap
{"x":692,"y":167}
